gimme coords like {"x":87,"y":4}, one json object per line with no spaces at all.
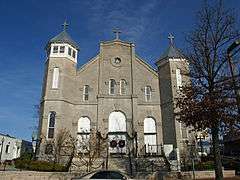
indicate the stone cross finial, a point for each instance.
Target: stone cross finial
{"x":117,"y":32}
{"x":171,"y":38}
{"x":65,"y":25}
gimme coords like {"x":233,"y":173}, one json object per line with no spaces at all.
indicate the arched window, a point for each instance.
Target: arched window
{"x":84,"y":125}
{"x":117,"y":122}
{"x":150,"y":135}
{"x":123,"y":84}
{"x":85,"y":93}
{"x":51,"y":124}
{"x":178,"y":78}
{"x":83,"y":132}
{"x":112,"y":84}
{"x":55,"y":78}
{"x":117,"y":128}
{"x":148,"y":93}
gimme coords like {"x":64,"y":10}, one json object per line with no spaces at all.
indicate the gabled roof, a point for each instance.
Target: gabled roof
{"x":146,"y":65}
{"x":171,"y":52}
{"x":63,"y":37}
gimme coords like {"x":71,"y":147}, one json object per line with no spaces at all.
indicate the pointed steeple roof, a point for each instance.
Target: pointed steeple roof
{"x":64,"y":37}
{"x":171,"y":51}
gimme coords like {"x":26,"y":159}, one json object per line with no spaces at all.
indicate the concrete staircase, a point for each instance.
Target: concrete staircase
{"x":141,"y":167}
{"x":144,"y":166}
{"x":118,"y":163}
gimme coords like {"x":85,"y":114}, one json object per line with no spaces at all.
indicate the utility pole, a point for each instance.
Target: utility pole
{"x":230,"y":49}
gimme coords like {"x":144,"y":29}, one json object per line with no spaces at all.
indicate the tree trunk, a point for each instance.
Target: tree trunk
{"x":216,"y":153}
{"x":69,"y":163}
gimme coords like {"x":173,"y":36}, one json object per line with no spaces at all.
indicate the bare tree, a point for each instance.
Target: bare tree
{"x":62,"y":148}
{"x":209,"y":101}
{"x":91,"y":151}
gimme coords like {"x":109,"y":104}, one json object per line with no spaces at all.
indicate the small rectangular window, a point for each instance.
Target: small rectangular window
{"x":55,"y":49}
{"x":7,"y":148}
{"x":112,"y":84}
{"x":86,"y":93}
{"x":69,"y":51}
{"x":55,"y":78}
{"x":51,"y":124}
{"x":74,"y":54}
{"x":62,"y":49}
{"x":148,"y":93}
{"x":123,"y":87}
{"x":178,"y":78}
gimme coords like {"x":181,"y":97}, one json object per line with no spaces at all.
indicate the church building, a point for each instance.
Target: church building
{"x":116,"y":93}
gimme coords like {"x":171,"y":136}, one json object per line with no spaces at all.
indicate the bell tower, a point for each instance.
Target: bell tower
{"x":62,"y":46}
{"x":172,"y":65}
{"x":59,"y":86}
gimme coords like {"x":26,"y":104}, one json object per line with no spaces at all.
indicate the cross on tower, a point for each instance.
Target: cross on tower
{"x":65,"y":25}
{"x":171,"y":38}
{"x":117,"y":32}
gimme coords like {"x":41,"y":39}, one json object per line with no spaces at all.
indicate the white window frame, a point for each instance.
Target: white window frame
{"x":178,"y":78}
{"x":117,"y":122}
{"x":62,"y":49}
{"x":85,"y":92}
{"x":83,"y":134}
{"x":55,"y":51}
{"x":49,"y":124}
{"x":150,"y":132}
{"x":55,"y":78}
{"x":148,"y":96}
{"x":69,"y":51}
{"x":74,"y":54}
{"x":112,"y":89}
{"x":123,"y":88}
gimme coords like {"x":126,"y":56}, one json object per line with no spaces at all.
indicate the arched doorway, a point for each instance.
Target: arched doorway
{"x":83,"y":132}
{"x":117,"y":129}
{"x":150,"y":135}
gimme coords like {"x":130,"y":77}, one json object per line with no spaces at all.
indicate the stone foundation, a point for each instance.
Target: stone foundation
{"x":30,"y":175}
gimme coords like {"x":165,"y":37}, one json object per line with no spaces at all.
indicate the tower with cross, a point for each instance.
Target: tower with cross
{"x":63,"y":46}
{"x":172,"y":66}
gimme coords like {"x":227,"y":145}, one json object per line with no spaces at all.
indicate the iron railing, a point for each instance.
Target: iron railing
{"x":151,"y":150}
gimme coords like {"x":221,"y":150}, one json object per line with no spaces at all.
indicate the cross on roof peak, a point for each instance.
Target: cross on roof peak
{"x":117,"y":31}
{"x":65,"y":25}
{"x":171,"y":38}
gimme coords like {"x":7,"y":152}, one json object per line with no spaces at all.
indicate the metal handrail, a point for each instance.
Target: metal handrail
{"x":151,"y":150}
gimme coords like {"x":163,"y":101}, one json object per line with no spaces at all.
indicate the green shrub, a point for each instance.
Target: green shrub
{"x":26,"y":156}
{"x":200,"y":166}
{"x":209,"y":165}
{"x":38,"y":165}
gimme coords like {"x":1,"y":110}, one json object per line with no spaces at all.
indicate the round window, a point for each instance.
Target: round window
{"x":116,"y":61}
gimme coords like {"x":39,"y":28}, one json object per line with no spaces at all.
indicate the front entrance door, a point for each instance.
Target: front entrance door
{"x":117,"y":132}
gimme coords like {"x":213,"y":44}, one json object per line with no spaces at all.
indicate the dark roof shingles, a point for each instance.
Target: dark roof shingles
{"x":64,"y":37}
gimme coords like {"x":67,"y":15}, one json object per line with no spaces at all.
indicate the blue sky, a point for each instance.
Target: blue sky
{"x":27,"y":25}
